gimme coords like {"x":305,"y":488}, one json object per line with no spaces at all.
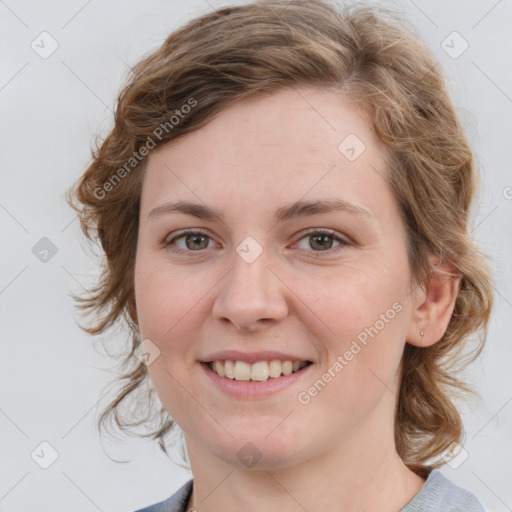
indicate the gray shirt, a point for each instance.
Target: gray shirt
{"x":438,"y":494}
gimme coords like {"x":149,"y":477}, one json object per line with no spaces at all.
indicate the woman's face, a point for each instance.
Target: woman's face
{"x":261,"y":282}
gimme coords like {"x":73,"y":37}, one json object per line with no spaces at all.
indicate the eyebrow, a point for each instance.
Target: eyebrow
{"x":294,"y":210}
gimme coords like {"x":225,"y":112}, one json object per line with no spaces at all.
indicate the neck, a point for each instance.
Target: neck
{"x":373,"y":478}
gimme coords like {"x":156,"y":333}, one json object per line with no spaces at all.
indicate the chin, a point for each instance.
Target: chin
{"x":259,"y":452}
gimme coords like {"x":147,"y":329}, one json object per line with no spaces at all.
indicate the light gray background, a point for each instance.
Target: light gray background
{"x":52,"y":374}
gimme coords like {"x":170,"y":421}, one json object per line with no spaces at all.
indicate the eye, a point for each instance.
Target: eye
{"x":194,"y":240}
{"x":321,"y":240}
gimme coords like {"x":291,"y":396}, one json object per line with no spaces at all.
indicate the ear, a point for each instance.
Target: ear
{"x":433,"y":303}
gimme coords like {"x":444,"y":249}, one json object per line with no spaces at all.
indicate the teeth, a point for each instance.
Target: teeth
{"x":229,"y":368}
{"x":287,"y":367}
{"x":242,"y":370}
{"x":275,"y":368}
{"x":219,"y":369}
{"x":260,"y":371}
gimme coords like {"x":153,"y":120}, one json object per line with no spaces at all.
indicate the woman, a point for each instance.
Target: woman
{"x":283,"y":203}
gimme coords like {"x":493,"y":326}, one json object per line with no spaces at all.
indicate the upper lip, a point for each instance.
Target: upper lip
{"x":252,"y":357}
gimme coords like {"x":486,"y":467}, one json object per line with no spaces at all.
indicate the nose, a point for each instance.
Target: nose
{"x":252,"y":295}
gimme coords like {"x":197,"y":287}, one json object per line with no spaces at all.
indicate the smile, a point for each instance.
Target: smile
{"x":245,"y":387}
{"x":258,"y":371}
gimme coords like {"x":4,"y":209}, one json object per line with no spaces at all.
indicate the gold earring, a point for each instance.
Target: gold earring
{"x":421,"y":334}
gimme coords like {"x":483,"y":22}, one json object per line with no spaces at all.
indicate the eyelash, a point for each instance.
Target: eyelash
{"x":320,"y":231}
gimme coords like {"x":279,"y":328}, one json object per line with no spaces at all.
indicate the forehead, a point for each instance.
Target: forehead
{"x":284,"y":145}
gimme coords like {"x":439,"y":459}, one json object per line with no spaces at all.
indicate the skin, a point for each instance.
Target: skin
{"x":336,"y":452}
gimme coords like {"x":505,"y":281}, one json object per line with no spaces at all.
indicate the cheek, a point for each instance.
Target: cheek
{"x":363,"y":313}
{"x":166,"y":303}
{"x":165,"y":296}
{"x":347,"y":302}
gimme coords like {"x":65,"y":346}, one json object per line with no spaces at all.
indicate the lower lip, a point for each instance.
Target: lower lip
{"x":255,"y":389}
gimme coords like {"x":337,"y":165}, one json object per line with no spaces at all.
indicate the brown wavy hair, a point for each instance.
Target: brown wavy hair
{"x":234,"y":52}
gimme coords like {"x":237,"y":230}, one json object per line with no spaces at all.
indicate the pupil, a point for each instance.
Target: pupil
{"x":195,"y":238}
{"x":324,"y":237}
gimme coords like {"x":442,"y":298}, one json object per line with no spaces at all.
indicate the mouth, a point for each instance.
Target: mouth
{"x":258,"y":371}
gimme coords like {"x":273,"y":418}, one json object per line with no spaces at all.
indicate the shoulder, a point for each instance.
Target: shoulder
{"x":439,"y":493}
{"x":176,"y":503}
